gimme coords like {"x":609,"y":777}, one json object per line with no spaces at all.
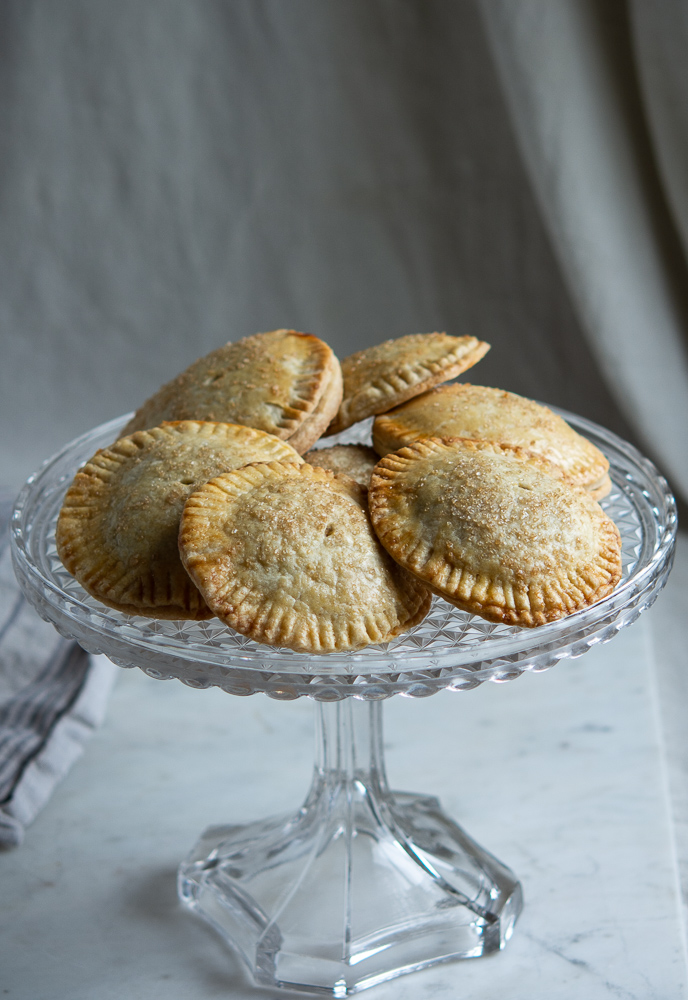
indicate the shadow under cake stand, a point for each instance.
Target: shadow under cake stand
{"x":362,"y":883}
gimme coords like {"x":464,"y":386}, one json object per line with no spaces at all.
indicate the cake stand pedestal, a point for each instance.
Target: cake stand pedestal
{"x":361,"y":884}
{"x":398,"y":885}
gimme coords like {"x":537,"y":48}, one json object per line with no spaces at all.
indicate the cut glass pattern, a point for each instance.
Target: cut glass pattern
{"x":450,"y":648}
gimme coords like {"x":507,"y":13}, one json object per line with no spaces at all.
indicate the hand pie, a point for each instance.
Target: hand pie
{"x":486,"y":527}
{"x":379,"y":378}
{"x":484,"y":414}
{"x":354,"y":460}
{"x":118,"y":527}
{"x":286,"y":555}
{"x":284,"y":383}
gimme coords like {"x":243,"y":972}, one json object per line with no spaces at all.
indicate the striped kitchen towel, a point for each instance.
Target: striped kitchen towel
{"x":53,"y":696}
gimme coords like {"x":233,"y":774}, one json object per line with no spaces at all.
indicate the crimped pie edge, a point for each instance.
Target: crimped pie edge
{"x":174,"y":399}
{"x":497,"y":600}
{"x":407,"y":376}
{"x":258,"y":622}
{"x":586,"y":465}
{"x":88,"y":498}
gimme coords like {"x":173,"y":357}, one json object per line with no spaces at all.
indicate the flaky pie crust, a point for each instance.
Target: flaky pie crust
{"x":381,"y":377}
{"x":286,"y":555}
{"x":486,"y":414}
{"x":282,"y":382}
{"x":489,"y":529}
{"x":118,"y":526}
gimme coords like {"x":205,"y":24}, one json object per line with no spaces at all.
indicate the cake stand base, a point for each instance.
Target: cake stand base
{"x":362,"y":884}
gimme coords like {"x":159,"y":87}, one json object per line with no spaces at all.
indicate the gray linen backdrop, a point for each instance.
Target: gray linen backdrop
{"x":598,"y":94}
{"x":179,"y":173}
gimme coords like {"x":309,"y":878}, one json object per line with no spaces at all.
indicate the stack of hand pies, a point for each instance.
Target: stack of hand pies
{"x":206,"y":506}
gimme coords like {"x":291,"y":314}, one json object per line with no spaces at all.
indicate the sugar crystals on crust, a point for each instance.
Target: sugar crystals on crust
{"x":381,"y":377}
{"x":486,"y":414}
{"x":286,"y":555}
{"x":355,"y":460}
{"x":489,"y":529}
{"x":117,"y":530}
{"x":283,"y":382}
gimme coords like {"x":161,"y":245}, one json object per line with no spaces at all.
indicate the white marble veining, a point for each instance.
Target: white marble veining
{"x":560,"y":775}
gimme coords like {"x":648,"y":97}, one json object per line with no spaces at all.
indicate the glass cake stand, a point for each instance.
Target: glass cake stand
{"x":361,"y":883}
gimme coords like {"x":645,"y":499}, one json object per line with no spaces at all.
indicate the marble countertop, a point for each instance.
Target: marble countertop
{"x":575,"y":778}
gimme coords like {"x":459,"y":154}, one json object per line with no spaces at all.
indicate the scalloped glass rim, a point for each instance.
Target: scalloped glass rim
{"x":449,"y":649}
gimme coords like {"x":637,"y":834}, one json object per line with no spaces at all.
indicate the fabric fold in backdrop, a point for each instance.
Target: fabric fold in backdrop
{"x":52,"y":697}
{"x":570,"y":76}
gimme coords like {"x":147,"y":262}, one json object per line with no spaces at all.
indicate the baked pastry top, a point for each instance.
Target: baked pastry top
{"x":285,"y":554}
{"x":282,"y":382}
{"x":118,"y":527}
{"x":485,"y":414}
{"x":381,"y":377}
{"x":355,"y":460}
{"x":318,"y":420}
{"x":490,"y":529}
{"x":205,"y":505}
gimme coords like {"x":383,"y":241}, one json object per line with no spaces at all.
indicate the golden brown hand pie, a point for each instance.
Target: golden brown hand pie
{"x":355,"y":460}
{"x":487,"y":528}
{"x":283,"y":382}
{"x":381,"y":377}
{"x":286,"y":555}
{"x":317,"y":422}
{"x":485,"y":414}
{"x":118,"y":527}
